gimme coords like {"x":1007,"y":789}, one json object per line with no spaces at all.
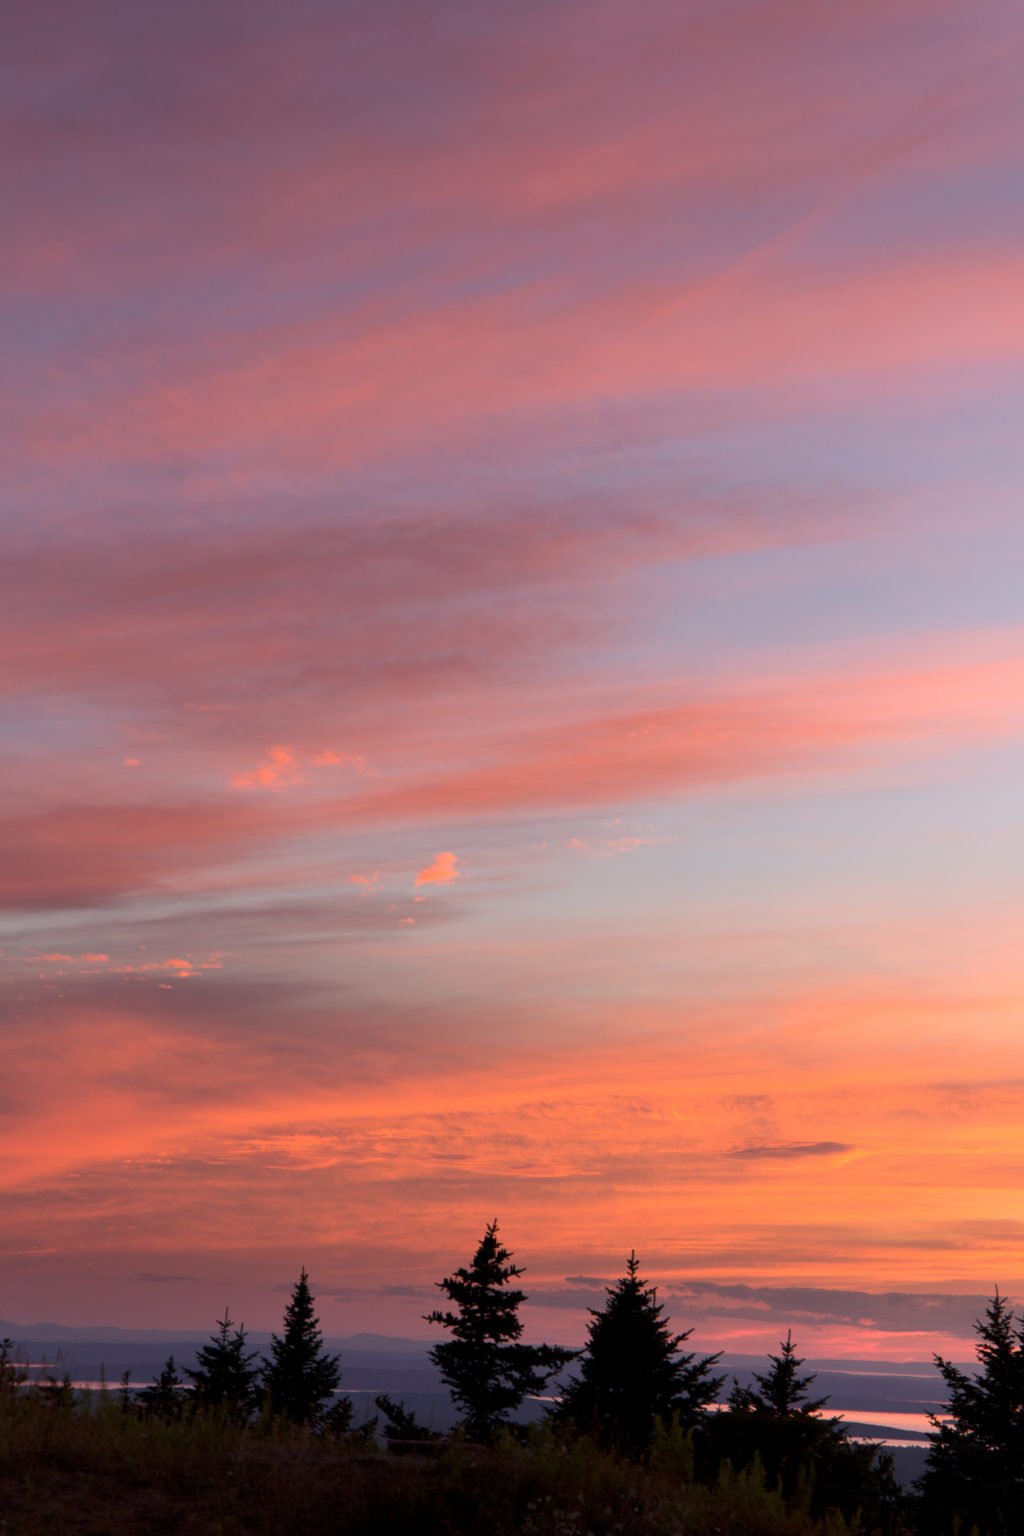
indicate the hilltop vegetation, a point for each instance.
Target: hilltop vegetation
{"x":96,"y":1471}
{"x":251,"y":1447}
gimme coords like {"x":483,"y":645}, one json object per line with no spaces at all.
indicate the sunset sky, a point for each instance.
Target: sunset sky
{"x":512,"y":629}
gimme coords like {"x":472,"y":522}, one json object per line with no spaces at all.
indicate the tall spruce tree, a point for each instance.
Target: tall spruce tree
{"x":224,"y":1377}
{"x":486,"y":1368}
{"x":975,"y":1467}
{"x":633,"y":1374}
{"x":300,"y":1378}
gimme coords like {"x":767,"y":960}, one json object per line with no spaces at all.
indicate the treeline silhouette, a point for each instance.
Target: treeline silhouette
{"x":633,"y":1394}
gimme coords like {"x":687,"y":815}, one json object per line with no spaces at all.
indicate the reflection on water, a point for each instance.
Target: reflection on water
{"x":437,"y":1408}
{"x":905,"y":1421}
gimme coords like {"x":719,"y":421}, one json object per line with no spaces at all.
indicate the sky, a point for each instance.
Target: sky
{"x":512,"y":681}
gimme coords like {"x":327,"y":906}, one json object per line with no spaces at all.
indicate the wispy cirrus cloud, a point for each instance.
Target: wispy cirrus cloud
{"x":78,"y":855}
{"x":828,"y":724}
{"x":832,"y":724}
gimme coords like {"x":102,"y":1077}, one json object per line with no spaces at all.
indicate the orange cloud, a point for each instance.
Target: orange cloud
{"x":180,"y":967}
{"x":441,"y":872}
{"x":283,"y":767}
{"x":765,"y":1134}
{"x":278,"y":770}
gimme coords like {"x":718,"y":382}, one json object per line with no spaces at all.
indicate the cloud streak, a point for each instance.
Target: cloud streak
{"x":793,"y":1149}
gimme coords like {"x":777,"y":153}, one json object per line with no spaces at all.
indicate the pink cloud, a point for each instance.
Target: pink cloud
{"x":747,"y":328}
{"x":331,"y":759}
{"x":75,"y":855}
{"x":441,"y":872}
{"x":332,"y":384}
{"x":335,"y":603}
{"x":834,"y":722}
{"x":282,"y":768}
{"x":179,"y":967}
{"x":278,"y":770}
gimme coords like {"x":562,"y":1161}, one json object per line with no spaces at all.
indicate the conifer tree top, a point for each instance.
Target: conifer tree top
{"x":633,"y":1372}
{"x":301,"y":1325}
{"x":975,"y":1467}
{"x":224,"y":1376}
{"x":782,"y":1392}
{"x":487,"y":1309}
{"x":300,"y":1377}
{"x":484,"y":1365}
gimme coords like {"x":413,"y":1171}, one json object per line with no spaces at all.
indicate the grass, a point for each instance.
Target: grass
{"x":86,"y":1468}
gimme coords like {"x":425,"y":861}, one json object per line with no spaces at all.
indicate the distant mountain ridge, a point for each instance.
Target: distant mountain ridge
{"x":382,"y":1343}
{"x":378,"y":1343}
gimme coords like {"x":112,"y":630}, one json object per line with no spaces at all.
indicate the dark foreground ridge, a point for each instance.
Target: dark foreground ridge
{"x":103,"y":1472}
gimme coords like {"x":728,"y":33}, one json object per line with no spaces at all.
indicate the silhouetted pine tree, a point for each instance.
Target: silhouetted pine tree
{"x":975,"y":1467}
{"x":811,"y":1458}
{"x":486,"y":1368}
{"x":300,"y":1378}
{"x":632,"y":1373}
{"x":13,"y":1369}
{"x":224,"y":1376}
{"x":783,"y":1392}
{"x":166,"y":1397}
{"x":400,"y":1424}
{"x":56,"y":1390}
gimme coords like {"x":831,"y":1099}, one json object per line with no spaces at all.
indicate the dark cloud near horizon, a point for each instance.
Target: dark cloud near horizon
{"x":154,"y":1279}
{"x":788,"y":1149}
{"x":705,"y":1303}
